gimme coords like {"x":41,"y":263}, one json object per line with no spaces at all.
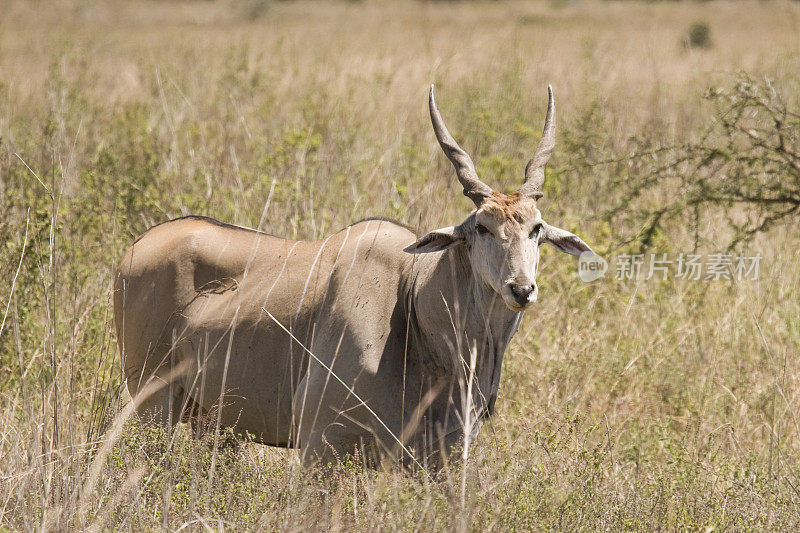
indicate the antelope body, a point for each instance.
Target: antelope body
{"x":369,"y":340}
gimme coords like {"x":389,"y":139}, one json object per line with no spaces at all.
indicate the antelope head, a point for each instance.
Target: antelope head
{"x":504,"y":232}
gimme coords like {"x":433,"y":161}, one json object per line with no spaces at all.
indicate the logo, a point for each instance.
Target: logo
{"x":591,"y":267}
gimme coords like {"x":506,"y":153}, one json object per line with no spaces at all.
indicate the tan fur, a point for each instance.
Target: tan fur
{"x":507,"y":207}
{"x":195,"y":292}
{"x":356,"y":342}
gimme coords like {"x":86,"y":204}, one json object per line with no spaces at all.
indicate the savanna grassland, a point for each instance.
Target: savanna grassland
{"x":636,"y":405}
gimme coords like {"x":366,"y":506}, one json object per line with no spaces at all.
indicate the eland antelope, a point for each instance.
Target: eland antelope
{"x":370,"y":340}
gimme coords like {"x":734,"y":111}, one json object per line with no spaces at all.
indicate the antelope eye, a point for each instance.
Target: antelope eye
{"x":535,"y":231}
{"x":481,"y":229}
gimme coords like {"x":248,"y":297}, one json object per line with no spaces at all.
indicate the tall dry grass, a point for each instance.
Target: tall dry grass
{"x":650,"y":405}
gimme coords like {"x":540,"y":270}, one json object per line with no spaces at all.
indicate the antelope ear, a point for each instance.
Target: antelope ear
{"x":563,"y":240}
{"x":437,"y":240}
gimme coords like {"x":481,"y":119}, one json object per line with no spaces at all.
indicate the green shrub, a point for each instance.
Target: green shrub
{"x":698,"y":36}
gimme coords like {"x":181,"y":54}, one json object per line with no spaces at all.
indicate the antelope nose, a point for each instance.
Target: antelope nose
{"x":521,"y":293}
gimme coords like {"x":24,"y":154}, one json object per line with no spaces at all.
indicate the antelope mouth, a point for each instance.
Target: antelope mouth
{"x":519,"y":305}
{"x":516,"y":307}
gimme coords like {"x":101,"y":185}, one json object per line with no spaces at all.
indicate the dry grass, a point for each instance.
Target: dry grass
{"x":622,"y":406}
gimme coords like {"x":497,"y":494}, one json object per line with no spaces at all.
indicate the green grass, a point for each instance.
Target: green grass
{"x":659,"y":405}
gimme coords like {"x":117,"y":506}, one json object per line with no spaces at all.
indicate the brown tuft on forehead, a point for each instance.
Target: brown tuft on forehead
{"x":509,"y":206}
